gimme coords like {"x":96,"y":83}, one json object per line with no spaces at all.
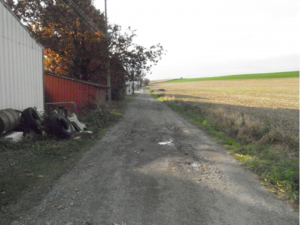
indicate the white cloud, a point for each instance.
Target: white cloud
{"x":214,"y":36}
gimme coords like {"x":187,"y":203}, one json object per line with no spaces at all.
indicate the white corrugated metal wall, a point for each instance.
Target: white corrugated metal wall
{"x":21,"y":65}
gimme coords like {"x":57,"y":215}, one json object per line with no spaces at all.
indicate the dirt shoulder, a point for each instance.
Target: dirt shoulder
{"x":153,"y":167}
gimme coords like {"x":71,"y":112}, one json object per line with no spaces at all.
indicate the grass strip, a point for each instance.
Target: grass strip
{"x":241,"y":77}
{"x":278,"y":172}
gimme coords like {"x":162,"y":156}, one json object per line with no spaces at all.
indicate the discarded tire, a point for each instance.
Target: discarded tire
{"x":30,"y":119}
{"x":60,"y":126}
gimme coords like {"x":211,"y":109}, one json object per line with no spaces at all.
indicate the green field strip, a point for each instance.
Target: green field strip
{"x":241,"y":77}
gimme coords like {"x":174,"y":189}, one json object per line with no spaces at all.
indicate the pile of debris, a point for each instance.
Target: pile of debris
{"x":14,"y":124}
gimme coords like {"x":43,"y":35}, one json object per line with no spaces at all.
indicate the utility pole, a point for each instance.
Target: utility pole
{"x":108,"y":59}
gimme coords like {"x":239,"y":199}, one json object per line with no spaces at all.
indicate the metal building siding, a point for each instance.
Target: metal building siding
{"x":61,"y":89}
{"x":21,"y":64}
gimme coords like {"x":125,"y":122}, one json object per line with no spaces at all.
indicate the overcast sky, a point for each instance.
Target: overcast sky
{"x":213,"y":37}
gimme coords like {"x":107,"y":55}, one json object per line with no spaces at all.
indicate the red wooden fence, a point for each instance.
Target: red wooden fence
{"x":64,"y":89}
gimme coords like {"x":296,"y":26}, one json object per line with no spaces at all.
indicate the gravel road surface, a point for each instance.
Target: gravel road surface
{"x":154,"y":168}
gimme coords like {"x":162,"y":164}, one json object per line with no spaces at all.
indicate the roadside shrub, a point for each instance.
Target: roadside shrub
{"x":275,"y":137}
{"x":161,"y":95}
{"x":146,"y":81}
{"x":101,"y":116}
{"x":250,"y":133}
{"x":168,"y":98}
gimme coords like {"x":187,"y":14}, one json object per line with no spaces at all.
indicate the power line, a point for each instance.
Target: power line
{"x":81,"y":15}
{"x":78,"y":15}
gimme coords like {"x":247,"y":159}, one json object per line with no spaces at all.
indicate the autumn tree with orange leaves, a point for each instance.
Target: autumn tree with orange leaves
{"x":72,"y":46}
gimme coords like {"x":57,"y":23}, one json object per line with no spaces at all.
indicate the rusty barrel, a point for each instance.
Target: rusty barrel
{"x":9,"y":120}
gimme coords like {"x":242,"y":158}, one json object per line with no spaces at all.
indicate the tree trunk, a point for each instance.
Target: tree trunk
{"x":133,"y":87}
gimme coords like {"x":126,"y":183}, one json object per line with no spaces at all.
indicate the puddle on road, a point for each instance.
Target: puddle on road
{"x":166,"y":142}
{"x":195,"y":165}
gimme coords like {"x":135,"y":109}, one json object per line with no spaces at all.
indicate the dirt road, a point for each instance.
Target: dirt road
{"x":154,"y":168}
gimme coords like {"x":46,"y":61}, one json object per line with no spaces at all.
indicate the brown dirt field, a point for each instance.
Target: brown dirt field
{"x":280,"y":93}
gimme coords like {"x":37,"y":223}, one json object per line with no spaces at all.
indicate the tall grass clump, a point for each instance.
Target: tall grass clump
{"x":100,"y":116}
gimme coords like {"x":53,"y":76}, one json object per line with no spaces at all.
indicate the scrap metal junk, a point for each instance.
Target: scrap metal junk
{"x":57,"y":124}
{"x":9,"y":120}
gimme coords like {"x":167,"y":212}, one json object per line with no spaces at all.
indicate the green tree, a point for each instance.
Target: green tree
{"x":136,"y":59}
{"x":146,"y":81}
